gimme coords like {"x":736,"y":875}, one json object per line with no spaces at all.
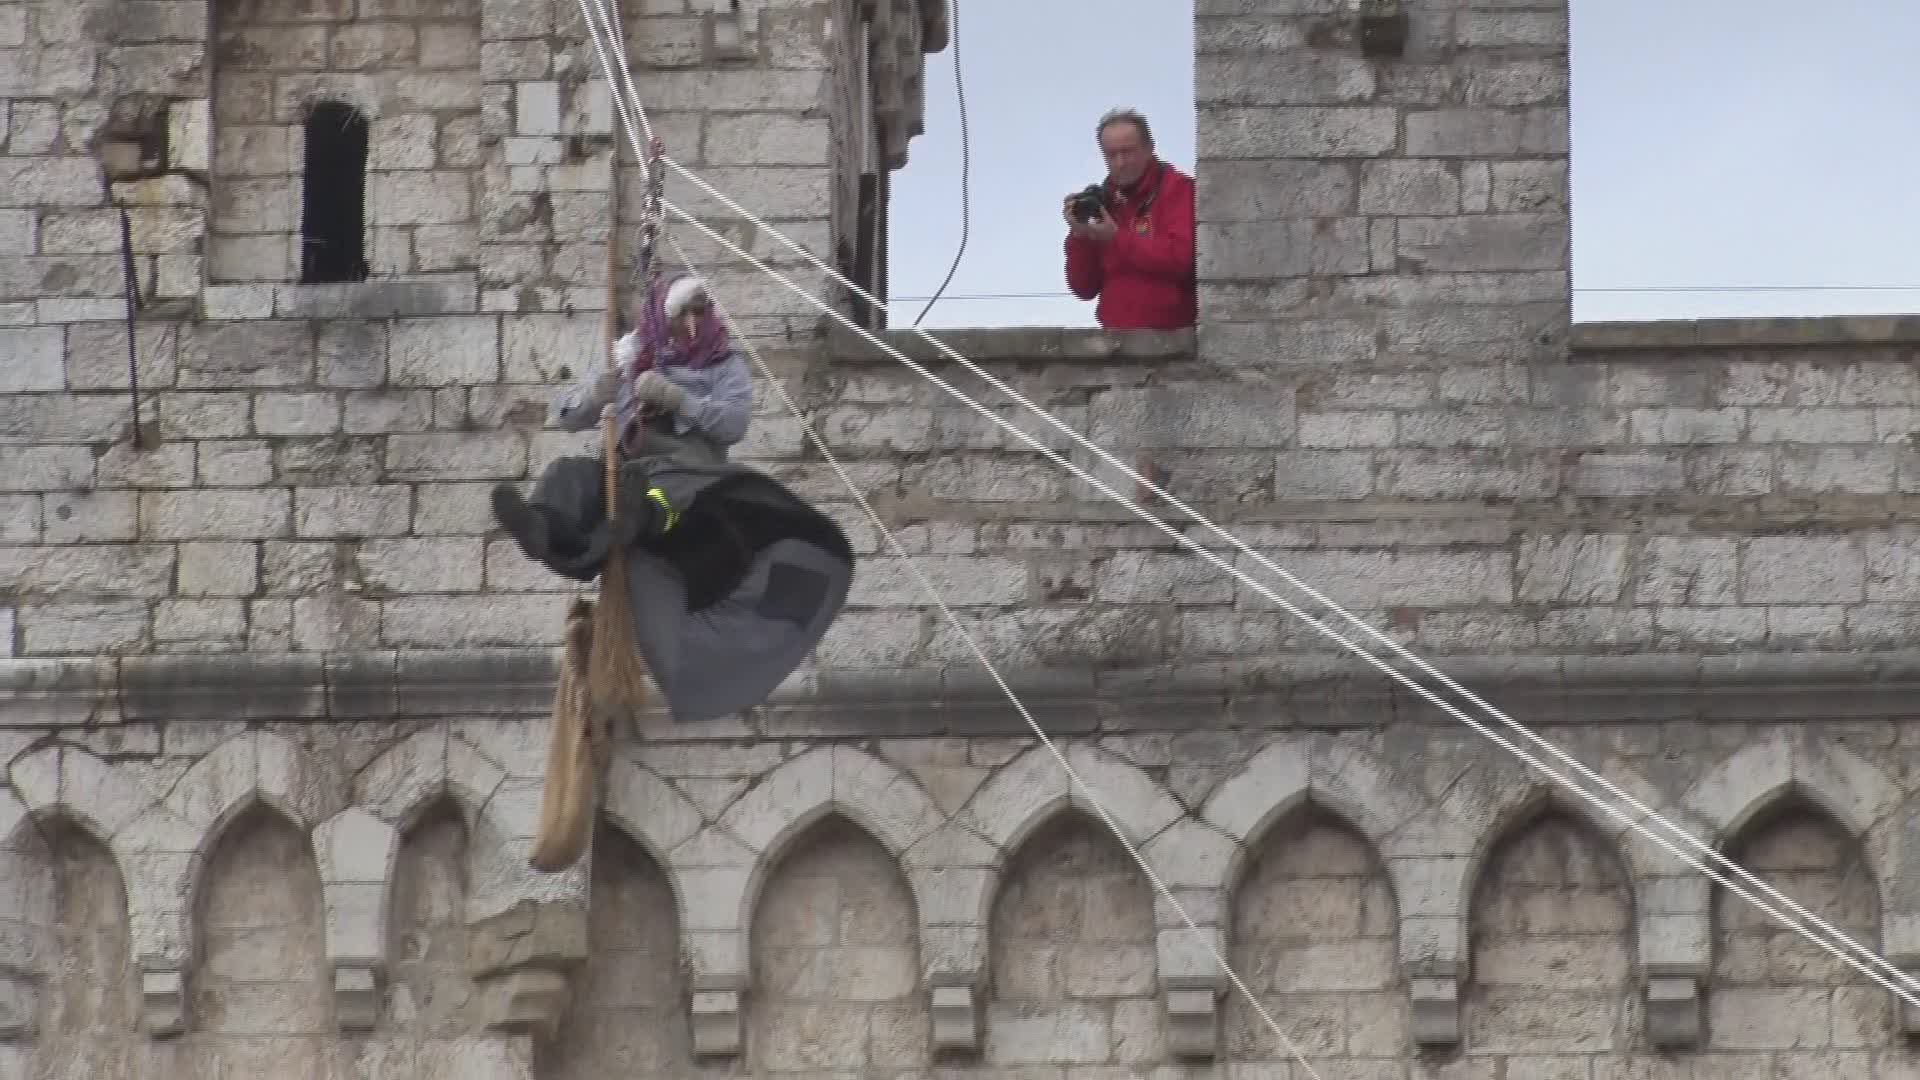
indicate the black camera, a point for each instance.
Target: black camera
{"x":1089,"y":203}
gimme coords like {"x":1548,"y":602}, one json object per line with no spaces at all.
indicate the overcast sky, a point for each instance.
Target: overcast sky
{"x":1717,"y":144}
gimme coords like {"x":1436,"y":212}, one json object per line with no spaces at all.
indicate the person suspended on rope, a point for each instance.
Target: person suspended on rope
{"x":734,"y":578}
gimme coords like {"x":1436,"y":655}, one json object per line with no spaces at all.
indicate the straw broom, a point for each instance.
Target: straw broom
{"x":617,"y":681}
{"x":566,"y":803}
{"x":600,"y":668}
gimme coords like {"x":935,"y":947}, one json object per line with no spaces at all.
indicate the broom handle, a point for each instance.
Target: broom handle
{"x":612,"y":438}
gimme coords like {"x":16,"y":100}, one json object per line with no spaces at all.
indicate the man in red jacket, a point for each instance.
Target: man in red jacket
{"x":1134,"y":251}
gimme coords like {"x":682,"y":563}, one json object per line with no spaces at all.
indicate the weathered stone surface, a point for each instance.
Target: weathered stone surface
{"x":285,"y":666}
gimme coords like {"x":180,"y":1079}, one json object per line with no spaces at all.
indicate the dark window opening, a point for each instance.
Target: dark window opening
{"x":333,"y":202}
{"x":870,"y":251}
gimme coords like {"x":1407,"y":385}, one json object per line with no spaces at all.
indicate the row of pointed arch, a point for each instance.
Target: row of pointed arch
{"x":715,"y":863}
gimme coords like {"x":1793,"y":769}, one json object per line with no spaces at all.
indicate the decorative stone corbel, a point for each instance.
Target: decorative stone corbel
{"x":1193,"y":1022}
{"x":1909,"y":1013}
{"x":1434,"y":1006}
{"x":163,"y":1001}
{"x":1676,"y":954}
{"x":1191,"y":986}
{"x":956,"y":1019}
{"x":356,"y":996}
{"x":1673,"y":1011}
{"x":721,"y":975}
{"x":718,"y":1029}
{"x":1900,"y":931}
{"x":19,"y":1005}
{"x":522,"y":961}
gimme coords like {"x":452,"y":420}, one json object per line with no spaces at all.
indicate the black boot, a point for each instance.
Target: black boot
{"x":534,"y":527}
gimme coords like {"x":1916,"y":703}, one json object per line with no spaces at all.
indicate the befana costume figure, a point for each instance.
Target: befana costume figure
{"x":733,"y":578}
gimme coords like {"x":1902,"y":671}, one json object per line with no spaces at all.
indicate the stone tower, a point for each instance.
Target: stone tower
{"x":273,"y":716}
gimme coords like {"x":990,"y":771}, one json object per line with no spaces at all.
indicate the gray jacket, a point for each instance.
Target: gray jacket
{"x":719,"y":400}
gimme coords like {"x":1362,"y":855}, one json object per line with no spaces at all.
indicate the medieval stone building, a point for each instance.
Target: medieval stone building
{"x":273,"y":717}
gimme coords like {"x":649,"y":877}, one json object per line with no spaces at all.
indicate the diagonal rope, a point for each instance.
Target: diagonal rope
{"x":973,"y":646}
{"x":1910,"y":982}
{"x":1371,"y":658}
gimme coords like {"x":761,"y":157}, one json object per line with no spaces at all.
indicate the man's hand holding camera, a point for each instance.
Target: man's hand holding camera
{"x":1086,"y":216}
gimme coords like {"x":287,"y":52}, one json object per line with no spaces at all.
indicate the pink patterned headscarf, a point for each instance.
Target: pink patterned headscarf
{"x":711,"y":343}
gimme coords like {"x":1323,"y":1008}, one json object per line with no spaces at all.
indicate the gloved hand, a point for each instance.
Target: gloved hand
{"x":656,"y":389}
{"x":606,"y":384}
{"x":626,"y":349}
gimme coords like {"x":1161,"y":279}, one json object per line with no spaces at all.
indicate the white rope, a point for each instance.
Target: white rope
{"x":1185,"y":541}
{"x":1494,"y":737}
{"x":1910,"y":982}
{"x":1259,"y":559}
{"x":972,"y":644}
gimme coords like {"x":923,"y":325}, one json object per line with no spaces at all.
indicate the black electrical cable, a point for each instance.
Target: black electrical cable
{"x":966,"y":161}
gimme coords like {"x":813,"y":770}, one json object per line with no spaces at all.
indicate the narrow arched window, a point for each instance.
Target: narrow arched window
{"x":333,"y":204}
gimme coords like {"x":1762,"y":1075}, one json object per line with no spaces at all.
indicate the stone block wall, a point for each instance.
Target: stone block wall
{"x":273,"y":688}
{"x":1405,"y":214}
{"x":490,"y":152}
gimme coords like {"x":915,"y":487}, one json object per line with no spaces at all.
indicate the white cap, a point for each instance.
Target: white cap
{"x":683,"y":290}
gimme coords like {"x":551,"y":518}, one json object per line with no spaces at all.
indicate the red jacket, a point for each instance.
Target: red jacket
{"x":1144,"y":276}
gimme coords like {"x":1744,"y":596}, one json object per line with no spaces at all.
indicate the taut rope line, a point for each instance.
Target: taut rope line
{"x":1901,"y":991}
{"x":1259,"y":559}
{"x":973,"y":646}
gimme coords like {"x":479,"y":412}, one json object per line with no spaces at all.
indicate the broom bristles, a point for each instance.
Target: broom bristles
{"x":566,"y":803}
{"x":618,"y":672}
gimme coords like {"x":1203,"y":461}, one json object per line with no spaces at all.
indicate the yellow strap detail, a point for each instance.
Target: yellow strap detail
{"x":673,"y":516}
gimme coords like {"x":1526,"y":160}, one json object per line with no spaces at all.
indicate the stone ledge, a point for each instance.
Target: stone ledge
{"x":1056,"y":344}
{"x":1846,"y":331}
{"x":1322,"y":692}
{"x":375,"y":298}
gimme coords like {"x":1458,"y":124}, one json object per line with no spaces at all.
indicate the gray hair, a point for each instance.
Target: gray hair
{"x":1125,"y":116}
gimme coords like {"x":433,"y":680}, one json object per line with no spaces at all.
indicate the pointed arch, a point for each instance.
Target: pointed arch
{"x":1345,"y":782}
{"x":1516,"y":805}
{"x":174,"y":835}
{"x":730,"y":869}
{"x":407,"y":779}
{"x":1858,"y":796}
{"x":1670,"y":901}
{"x":1031,"y":791}
{"x":500,"y":811}
{"x":1028,"y":791}
{"x":656,"y":816}
{"x":155,"y":849}
{"x":250,"y":768}
{"x":28,"y":920}
{"x":59,"y":778}
{"x":1418,"y":845}
{"x":1753,"y":778}
{"x":257,"y":833}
